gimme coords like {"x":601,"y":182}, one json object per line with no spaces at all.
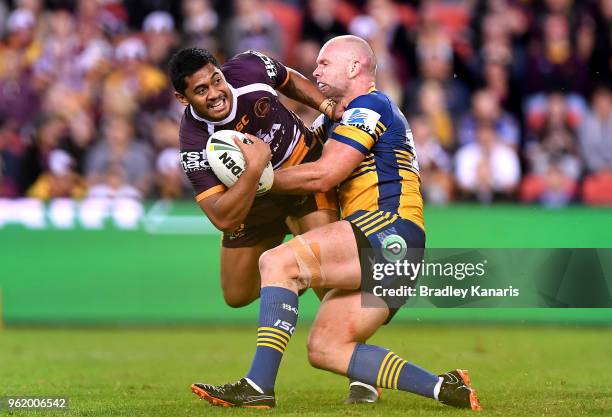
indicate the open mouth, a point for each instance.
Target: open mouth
{"x":322,"y":86}
{"x":218,"y":105}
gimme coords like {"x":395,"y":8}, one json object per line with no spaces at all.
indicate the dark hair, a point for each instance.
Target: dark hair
{"x":186,"y":62}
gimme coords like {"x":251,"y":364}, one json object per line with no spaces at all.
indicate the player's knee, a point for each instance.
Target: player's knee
{"x":268,"y":266}
{"x":238,"y":297}
{"x":320,"y":350}
{"x":275,"y":266}
{"x":237,"y":302}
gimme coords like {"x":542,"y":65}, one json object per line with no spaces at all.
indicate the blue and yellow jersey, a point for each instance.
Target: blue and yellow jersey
{"x":388,"y":178}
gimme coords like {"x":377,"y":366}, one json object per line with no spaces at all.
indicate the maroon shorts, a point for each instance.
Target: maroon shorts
{"x":274,"y":211}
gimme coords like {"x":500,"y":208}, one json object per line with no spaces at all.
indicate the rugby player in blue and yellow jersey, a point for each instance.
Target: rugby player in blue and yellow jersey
{"x":242,"y":94}
{"x":370,"y":157}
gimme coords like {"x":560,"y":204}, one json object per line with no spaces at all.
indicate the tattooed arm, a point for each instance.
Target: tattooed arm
{"x":299,"y":88}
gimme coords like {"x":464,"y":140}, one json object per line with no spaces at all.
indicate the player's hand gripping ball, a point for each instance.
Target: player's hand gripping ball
{"x":227,"y":160}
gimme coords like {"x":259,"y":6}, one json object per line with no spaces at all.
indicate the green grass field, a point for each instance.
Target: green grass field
{"x":109,"y":277}
{"x":518,"y":370}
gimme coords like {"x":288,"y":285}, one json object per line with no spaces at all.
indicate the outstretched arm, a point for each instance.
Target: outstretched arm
{"x":299,"y":88}
{"x":336,"y":164}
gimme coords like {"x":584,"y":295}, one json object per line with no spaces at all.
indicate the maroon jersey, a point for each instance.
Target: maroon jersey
{"x":256,"y":109}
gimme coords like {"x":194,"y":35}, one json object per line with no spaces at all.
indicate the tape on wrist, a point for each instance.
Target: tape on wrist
{"x":327,"y":107}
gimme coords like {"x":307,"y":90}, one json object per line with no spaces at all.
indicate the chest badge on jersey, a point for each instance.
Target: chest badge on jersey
{"x":262,"y":106}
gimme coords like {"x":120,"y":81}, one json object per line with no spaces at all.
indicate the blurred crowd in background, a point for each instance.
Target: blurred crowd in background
{"x":509,"y":100}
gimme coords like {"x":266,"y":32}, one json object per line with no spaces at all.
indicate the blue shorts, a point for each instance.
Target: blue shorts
{"x":385,"y":238}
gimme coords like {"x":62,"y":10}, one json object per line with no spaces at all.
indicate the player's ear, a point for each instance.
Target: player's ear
{"x":181,"y":98}
{"x":354,"y":69}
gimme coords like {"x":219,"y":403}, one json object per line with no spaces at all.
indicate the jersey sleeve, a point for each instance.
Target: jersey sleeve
{"x":195,"y":164}
{"x":201,"y":176}
{"x":321,"y":128}
{"x":263,"y":69}
{"x":363,"y":122}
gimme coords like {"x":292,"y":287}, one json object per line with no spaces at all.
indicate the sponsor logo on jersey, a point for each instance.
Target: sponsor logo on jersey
{"x":269,"y":136}
{"x":268,"y":63}
{"x":357,"y":117}
{"x":410,"y":144}
{"x":262,"y":106}
{"x":193,"y":161}
{"x":244,"y":120}
{"x":361,"y":118}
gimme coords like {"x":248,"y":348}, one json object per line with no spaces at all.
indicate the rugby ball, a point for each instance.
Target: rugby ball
{"x":227,"y":162}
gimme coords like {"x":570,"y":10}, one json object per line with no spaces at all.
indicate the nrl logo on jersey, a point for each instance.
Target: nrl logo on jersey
{"x":193,"y":161}
{"x":361,"y":118}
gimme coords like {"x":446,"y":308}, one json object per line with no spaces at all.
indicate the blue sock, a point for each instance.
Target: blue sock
{"x":277,"y":319}
{"x":382,"y":368}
